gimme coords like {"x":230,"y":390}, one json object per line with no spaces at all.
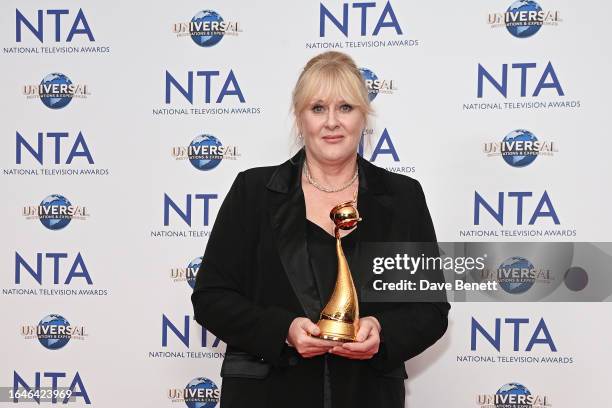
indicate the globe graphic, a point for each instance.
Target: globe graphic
{"x":368,"y":75}
{"x":206,"y":38}
{"x":205,"y":162}
{"x":53,"y":343}
{"x":523,"y":31}
{"x":51,"y":101}
{"x":516,"y":157}
{"x":514,"y":389}
{"x":210,"y":401}
{"x":194,"y":265}
{"x":515,"y":285}
{"x":55,"y":223}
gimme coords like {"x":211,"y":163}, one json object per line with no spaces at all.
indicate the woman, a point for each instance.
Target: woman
{"x":270,"y":262}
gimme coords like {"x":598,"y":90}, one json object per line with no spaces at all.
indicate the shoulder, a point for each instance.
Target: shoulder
{"x":392,"y":183}
{"x":401,"y":183}
{"x":278,"y":177}
{"x":257,"y":175}
{"x":255,"y":179}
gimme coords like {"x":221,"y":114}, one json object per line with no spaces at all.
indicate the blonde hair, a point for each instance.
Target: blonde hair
{"x":331,"y":75}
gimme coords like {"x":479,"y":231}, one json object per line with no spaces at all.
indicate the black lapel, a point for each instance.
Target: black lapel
{"x":287,"y":212}
{"x":373,"y":202}
{"x":375,"y":206}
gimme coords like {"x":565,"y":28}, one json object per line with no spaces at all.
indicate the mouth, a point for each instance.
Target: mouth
{"x":333,"y":138}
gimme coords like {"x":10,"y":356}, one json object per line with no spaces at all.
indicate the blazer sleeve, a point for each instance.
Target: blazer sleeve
{"x":411,"y":328}
{"x":220,"y":298}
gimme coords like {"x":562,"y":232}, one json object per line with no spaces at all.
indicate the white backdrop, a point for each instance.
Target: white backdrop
{"x":426,"y":54}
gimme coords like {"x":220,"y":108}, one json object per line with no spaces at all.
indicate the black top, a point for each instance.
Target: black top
{"x":323,"y":263}
{"x":323,"y":259}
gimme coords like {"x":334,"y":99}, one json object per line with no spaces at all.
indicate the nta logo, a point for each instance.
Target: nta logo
{"x":36,"y":25}
{"x":230,"y":87}
{"x":543,"y":209}
{"x":385,"y":19}
{"x":547,"y":80}
{"x":538,"y":335}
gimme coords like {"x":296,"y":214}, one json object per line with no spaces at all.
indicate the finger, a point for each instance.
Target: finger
{"x":366,"y":346}
{"x":371,"y":343}
{"x":345,"y":352}
{"x":311,"y":328}
{"x":305,"y":339}
{"x":352,"y":355}
{"x":313,"y":354}
{"x":308,"y":341}
{"x":314,"y":350}
{"x":318,"y":346}
{"x":364,"y":331}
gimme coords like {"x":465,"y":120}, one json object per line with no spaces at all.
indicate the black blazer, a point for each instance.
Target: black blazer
{"x":255,"y":279}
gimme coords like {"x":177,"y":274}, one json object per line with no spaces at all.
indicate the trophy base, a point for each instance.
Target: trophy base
{"x":337,"y":331}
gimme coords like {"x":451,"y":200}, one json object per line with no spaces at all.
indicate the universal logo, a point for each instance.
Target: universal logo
{"x":207,"y":28}
{"x":56,"y":91}
{"x":55,"y":212}
{"x":524,"y":18}
{"x":375,"y":85}
{"x":205,"y":152}
{"x":188,"y":274}
{"x":516,"y":275}
{"x":200,"y":392}
{"x":53,"y":332}
{"x":513,"y":395}
{"x":520,"y":148}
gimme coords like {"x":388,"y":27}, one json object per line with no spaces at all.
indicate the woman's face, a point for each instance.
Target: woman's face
{"x":331,"y":129}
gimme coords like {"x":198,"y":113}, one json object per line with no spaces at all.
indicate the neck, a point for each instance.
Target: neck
{"x":332,"y":174}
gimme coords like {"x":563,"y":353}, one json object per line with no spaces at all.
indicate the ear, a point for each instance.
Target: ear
{"x":298,"y":123}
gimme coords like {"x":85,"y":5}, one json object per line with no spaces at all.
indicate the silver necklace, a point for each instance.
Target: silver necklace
{"x":323,"y":188}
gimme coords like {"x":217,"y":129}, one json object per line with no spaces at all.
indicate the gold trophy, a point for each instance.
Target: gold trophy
{"x":339,"y":320}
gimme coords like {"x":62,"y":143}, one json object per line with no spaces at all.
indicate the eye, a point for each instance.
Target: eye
{"x":346,"y":107}
{"x":318,"y":108}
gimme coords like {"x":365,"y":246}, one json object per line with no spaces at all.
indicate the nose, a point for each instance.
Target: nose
{"x":332,"y":119}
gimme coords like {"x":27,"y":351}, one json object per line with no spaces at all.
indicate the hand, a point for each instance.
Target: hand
{"x":367,"y":343}
{"x":299,"y":336}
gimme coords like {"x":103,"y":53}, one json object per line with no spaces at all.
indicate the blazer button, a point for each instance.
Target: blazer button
{"x":293,"y":360}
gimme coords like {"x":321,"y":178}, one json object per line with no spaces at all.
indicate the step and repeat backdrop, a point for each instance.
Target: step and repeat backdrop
{"x":111,"y":110}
